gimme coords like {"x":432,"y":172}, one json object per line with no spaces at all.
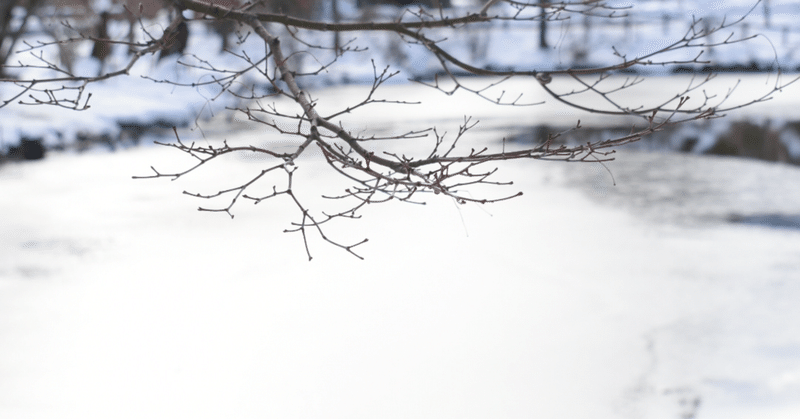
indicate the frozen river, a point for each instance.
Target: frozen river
{"x":654,"y":298}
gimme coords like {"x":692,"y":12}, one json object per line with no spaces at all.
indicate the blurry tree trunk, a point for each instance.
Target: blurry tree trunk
{"x":336,"y":18}
{"x":709,"y":36}
{"x":766,"y":13}
{"x":542,"y":28}
{"x":9,"y":38}
{"x":587,"y":29}
{"x":626,"y":24}
{"x":5,"y":31}
{"x":102,"y":46}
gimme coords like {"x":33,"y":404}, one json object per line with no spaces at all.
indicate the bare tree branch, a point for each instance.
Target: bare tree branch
{"x":377,"y":172}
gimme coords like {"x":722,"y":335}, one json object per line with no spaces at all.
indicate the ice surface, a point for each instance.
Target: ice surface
{"x":576,"y":300}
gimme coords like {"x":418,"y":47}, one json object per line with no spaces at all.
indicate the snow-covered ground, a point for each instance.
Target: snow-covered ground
{"x":577,"y":300}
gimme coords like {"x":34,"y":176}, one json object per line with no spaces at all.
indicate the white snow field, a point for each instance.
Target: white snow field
{"x":578,"y":300}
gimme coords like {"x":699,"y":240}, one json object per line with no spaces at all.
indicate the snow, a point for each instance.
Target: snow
{"x":578,"y":299}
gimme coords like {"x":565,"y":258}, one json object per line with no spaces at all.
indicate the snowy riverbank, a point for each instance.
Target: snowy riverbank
{"x":125,"y":107}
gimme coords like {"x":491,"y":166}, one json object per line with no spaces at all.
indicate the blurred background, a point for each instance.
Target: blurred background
{"x":662,"y":284}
